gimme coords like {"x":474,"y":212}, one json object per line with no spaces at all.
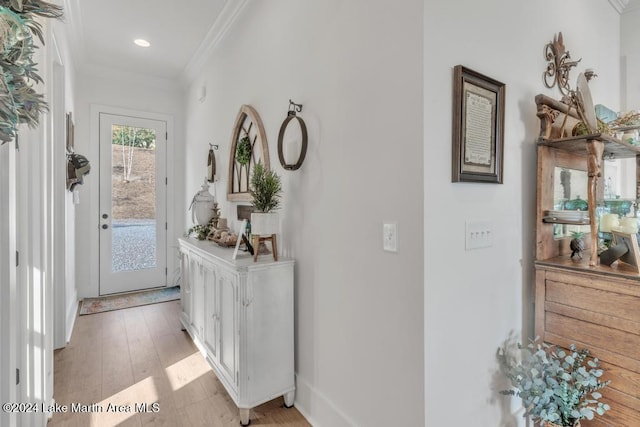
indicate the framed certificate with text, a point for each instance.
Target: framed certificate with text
{"x":478,"y":127}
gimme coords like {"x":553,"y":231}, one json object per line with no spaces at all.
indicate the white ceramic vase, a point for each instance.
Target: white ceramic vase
{"x":203,"y":205}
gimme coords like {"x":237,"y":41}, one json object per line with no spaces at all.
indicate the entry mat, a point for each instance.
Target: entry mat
{"x":116,"y":302}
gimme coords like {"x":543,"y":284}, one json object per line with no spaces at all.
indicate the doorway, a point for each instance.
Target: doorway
{"x":133,"y":203}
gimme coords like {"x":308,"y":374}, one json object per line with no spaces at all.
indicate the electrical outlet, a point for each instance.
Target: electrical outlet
{"x":390,"y":236}
{"x":478,"y":234}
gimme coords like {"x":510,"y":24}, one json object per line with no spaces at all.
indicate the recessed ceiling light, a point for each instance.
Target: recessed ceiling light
{"x":142,"y":42}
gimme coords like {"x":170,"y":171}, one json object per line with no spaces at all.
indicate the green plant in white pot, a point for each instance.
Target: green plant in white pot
{"x":557,"y":387}
{"x":265,"y":189}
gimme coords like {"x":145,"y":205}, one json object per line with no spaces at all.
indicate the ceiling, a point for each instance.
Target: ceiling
{"x":102,"y":34}
{"x":629,"y":5}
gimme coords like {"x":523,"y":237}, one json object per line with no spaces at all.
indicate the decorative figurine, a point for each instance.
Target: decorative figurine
{"x":577,"y":244}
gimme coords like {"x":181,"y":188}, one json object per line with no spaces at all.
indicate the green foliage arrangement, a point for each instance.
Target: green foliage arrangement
{"x":200,"y":231}
{"x":243,"y":150}
{"x":555,"y":386}
{"x":581,"y":129}
{"x":265,"y":189}
{"x":19,"y":102}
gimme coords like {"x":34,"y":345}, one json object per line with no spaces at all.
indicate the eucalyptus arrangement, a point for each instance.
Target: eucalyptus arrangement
{"x":19,"y":102}
{"x":557,"y":387}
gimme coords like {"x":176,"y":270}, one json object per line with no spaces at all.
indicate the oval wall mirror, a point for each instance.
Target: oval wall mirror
{"x":292,"y":142}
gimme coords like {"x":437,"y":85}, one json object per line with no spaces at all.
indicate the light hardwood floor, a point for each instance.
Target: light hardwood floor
{"x":141,"y":355}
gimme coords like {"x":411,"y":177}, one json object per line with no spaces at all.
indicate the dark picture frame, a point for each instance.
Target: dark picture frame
{"x":478,"y":127}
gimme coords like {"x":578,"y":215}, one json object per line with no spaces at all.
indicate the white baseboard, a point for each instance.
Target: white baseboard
{"x":72,"y":314}
{"x":317,"y":408}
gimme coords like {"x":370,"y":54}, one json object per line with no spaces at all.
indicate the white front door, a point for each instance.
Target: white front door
{"x":133,"y":211}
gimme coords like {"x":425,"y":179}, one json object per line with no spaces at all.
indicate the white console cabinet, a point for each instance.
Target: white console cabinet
{"x":240,"y":315}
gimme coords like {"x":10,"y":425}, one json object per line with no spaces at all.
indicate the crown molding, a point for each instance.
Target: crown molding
{"x":619,"y":5}
{"x":216,"y":33}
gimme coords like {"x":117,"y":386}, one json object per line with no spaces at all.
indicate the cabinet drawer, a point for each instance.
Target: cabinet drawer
{"x":620,"y":285}
{"x":595,"y":300}
{"x":594,"y":336}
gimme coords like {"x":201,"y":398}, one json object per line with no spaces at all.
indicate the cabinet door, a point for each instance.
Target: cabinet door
{"x":185,"y":286}
{"x":228,"y":304}
{"x":197,"y":294}
{"x":210,"y":309}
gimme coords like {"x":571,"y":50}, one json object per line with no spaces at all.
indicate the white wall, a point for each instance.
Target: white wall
{"x":61,"y":85}
{"x":356,"y":67}
{"x":473,"y":299}
{"x":130,"y":92}
{"x":630,"y":52}
{"x":62,"y":40}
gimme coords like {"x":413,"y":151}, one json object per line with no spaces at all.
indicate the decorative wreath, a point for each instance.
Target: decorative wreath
{"x":243,"y":150}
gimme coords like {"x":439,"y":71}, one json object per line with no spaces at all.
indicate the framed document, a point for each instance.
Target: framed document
{"x":478,"y":127}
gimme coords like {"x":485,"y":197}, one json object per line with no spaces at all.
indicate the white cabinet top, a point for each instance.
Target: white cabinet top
{"x":243,"y":262}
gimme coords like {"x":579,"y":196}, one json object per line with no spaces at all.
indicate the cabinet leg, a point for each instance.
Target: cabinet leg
{"x":274,"y":247}
{"x":244,"y":416}
{"x":256,"y":247}
{"x":289,"y":399}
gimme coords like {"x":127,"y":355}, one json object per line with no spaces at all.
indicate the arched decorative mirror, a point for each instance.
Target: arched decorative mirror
{"x":248,"y":147}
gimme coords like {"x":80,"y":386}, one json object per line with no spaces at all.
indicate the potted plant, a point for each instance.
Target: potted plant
{"x":557,"y":387}
{"x":265,"y":189}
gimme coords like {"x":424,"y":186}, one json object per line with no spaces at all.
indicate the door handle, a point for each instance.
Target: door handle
{"x":105,"y":226}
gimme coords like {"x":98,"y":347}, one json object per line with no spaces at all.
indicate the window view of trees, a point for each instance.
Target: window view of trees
{"x":131,"y":138}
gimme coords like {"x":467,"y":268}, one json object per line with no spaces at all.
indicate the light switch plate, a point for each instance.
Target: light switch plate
{"x":390,"y":236}
{"x":478,"y":234}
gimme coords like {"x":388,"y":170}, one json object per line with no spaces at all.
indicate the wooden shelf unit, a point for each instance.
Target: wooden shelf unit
{"x":573,"y":153}
{"x":580,"y":301}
